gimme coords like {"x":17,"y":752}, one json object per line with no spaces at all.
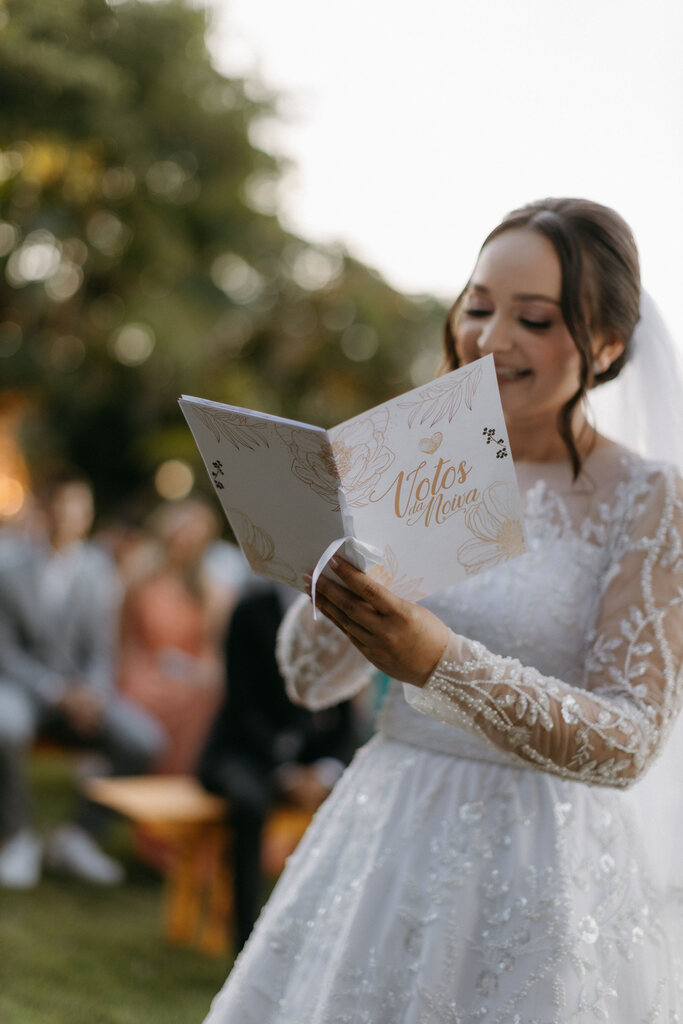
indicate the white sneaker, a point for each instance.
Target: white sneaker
{"x":20,"y":859}
{"x":71,"y":850}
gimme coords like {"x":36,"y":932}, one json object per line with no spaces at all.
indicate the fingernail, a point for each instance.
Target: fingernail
{"x":306,"y":578}
{"x":335,"y":562}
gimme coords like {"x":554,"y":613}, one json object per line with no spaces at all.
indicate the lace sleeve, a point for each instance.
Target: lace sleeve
{"x":609,"y":730}
{"x":319,"y":665}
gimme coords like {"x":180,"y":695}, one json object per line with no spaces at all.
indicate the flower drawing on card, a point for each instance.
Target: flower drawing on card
{"x":259,"y":548}
{"x":312,"y":462}
{"x":361,"y":455}
{"x":240,"y":431}
{"x":387,"y":573}
{"x":442,"y":399}
{"x":496,"y":527}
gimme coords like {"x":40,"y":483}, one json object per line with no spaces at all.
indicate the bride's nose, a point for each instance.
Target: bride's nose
{"x":494,"y":337}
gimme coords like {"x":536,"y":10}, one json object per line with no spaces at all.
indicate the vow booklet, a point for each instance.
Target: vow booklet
{"x":419,"y":492}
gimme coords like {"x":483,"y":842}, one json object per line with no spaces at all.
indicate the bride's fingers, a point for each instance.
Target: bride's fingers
{"x":353,"y":629}
{"x":359,"y":583}
{"x":355,"y":608}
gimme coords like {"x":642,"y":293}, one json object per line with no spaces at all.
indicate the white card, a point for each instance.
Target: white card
{"x":422,"y":487}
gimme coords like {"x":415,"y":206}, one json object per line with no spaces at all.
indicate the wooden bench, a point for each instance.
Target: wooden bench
{"x":193,"y":824}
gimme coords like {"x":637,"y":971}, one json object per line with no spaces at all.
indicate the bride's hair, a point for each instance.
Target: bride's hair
{"x":600,"y":287}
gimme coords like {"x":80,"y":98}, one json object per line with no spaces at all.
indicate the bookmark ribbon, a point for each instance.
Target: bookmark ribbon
{"x":372,"y":554}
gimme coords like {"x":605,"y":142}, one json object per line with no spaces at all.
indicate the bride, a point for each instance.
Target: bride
{"x":504,"y":851}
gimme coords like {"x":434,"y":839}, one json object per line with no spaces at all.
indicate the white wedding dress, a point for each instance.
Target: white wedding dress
{"x":499,"y":852}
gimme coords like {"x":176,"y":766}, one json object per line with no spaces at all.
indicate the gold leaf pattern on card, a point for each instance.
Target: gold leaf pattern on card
{"x":259,"y":548}
{"x":361,"y":456}
{"x":387,"y":573}
{"x":239,"y":430}
{"x":496,"y":527}
{"x":312,"y":462}
{"x":442,"y":399}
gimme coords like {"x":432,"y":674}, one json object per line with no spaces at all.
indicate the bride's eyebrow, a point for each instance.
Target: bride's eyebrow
{"x":535,"y":296}
{"x":520,"y":296}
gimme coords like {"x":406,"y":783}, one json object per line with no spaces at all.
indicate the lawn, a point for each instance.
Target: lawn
{"x":77,"y":954}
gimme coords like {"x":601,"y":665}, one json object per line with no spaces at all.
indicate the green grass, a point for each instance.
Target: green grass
{"x":77,"y":954}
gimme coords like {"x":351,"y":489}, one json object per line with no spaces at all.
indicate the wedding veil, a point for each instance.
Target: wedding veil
{"x":643,"y":410}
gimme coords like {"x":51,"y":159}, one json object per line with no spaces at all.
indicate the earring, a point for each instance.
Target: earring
{"x":596,"y":368}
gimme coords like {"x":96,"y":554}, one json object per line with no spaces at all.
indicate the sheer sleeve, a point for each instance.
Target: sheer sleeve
{"x":608,"y":730}
{"x":319,"y":665}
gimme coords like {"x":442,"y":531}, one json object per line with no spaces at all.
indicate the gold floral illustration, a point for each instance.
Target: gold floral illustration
{"x":442,"y":398}
{"x":312,"y":462}
{"x":239,"y":430}
{"x":259,"y":548}
{"x":361,"y":456}
{"x":386,"y":573}
{"x":497,"y":528}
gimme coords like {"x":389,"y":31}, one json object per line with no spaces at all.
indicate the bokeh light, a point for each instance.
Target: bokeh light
{"x":312,"y":269}
{"x":133,"y":344}
{"x":107,"y":233}
{"x":359,"y":342}
{"x":174,"y":479}
{"x":65,"y":282}
{"x":236,"y":278}
{"x":36,"y":259}
{"x":262,"y":193}
{"x":11,"y":496}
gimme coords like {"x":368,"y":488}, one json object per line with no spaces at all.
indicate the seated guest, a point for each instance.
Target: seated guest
{"x":58,"y":612}
{"x":263,"y":749}
{"x":173,"y":621}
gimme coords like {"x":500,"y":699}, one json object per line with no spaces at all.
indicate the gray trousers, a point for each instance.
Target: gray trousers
{"x":129,"y":738}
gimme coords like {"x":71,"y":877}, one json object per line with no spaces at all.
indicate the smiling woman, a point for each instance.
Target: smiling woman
{"x":555,"y":296}
{"x":486,"y":856}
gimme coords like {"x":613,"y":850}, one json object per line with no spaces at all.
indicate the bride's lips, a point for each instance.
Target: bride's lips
{"x":510,"y":374}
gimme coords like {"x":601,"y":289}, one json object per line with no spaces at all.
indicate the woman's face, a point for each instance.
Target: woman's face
{"x":512,"y":309}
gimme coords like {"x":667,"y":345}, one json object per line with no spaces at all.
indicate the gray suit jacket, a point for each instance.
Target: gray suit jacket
{"x":43,"y":646}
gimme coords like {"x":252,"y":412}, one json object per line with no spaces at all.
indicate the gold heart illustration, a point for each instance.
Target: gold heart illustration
{"x":430,"y":444}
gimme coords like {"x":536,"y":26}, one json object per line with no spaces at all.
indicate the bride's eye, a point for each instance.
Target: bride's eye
{"x":477,"y":312}
{"x":536,"y":325}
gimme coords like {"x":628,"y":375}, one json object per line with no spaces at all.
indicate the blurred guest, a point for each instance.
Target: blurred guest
{"x":263,"y":749}
{"x":57,"y":627}
{"x":172,"y":623}
{"x":227,"y":573}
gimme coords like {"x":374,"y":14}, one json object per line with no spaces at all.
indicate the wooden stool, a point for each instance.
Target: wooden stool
{"x":198,"y":897}
{"x":198,"y":886}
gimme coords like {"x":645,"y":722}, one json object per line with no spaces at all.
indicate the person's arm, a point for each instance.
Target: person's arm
{"x":23,"y":667}
{"x":607,"y":731}
{"x":318,"y":663}
{"x":99,"y":627}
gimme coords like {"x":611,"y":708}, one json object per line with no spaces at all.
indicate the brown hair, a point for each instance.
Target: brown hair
{"x":600,"y":286}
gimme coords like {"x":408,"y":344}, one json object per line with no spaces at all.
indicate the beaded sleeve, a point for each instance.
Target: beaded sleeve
{"x":608,"y":730}
{"x":319,"y":664}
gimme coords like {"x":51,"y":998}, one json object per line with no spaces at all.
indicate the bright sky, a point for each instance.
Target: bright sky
{"x":415,"y":125}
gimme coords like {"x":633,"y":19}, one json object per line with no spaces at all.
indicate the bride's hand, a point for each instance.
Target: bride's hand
{"x":400,"y":638}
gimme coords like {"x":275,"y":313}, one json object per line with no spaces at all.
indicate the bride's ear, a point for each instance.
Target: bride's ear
{"x":606,"y":348}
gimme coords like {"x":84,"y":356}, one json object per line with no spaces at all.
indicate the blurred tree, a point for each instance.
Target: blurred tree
{"x":141,"y":255}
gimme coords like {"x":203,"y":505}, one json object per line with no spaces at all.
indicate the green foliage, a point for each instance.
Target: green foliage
{"x":141,"y":255}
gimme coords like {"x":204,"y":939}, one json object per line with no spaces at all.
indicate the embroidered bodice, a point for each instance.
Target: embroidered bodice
{"x":566,"y":659}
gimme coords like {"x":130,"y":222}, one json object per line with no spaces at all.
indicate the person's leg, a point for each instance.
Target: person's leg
{"x":245,"y":784}
{"x":20,"y":848}
{"x":247,"y":826}
{"x":131,"y":740}
{"x":18,"y":720}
